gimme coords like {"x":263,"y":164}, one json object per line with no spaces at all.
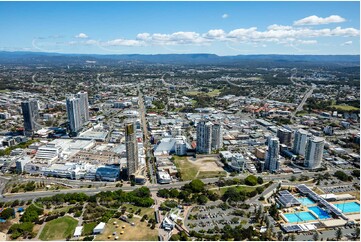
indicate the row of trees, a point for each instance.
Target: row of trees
{"x":140,"y":197}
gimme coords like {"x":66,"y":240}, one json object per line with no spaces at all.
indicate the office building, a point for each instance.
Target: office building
{"x":131,"y":146}
{"x":83,"y":106}
{"x":204,"y":137}
{"x":21,"y":162}
{"x":272,"y":157}
{"x":30,"y":111}
{"x":314,"y":152}
{"x":299,"y":144}
{"x":217,"y":137}
{"x":74,"y":113}
{"x":285,"y":136}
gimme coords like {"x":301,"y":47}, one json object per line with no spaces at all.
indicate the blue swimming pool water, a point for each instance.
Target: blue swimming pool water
{"x":350,"y":207}
{"x":306,"y":201}
{"x":321,"y":214}
{"x":299,"y":217}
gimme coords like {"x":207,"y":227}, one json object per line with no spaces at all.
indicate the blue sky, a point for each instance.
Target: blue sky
{"x":223,"y":28}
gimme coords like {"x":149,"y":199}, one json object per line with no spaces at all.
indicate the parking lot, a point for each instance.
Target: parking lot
{"x":207,"y":217}
{"x":338,"y":189}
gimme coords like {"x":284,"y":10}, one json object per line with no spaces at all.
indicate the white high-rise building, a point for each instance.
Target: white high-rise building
{"x":217,"y":136}
{"x":299,"y":144}
{"x":74,"y":113}
{"x":84,"y":106}
{"x":314,"y":152}
{"x":272,"y":162}
{"x":204,"y":137}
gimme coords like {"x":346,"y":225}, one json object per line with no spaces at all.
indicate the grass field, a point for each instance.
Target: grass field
{"x":187,"y":170}
{"x":59,"y":229}
{"x":139,"y":232}
{"x":88,"y":228}
{"x":147,"y":211}
{"x":210,"y":174}
{"x":345,"y":108}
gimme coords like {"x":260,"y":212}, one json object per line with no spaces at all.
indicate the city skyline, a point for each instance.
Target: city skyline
{"x":227,"y":28}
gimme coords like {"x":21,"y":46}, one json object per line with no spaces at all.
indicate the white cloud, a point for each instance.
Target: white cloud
{"x":225,"y":15}
{"x":279,"y":34}
{"x":315,"y":20}
{"x":122,"y":42}
{"x":307,"y":42}
{"x":347,"y":43}
{"x":215,"y":34}
{"x":81,"y":36}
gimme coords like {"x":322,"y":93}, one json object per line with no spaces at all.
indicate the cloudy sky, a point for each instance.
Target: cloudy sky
{"x":223,"y":28}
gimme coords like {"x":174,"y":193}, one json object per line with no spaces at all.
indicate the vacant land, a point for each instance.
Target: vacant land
{"x":210,"y":174}
{"x":213,"y":93}
{"x":59,"y":229}
{"x":187,"y":170}
{"x":200,"y":168}
{"x":345,"y":108}
{"x":139,"y":232}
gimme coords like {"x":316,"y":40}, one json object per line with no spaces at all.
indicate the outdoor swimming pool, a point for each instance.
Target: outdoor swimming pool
{"x":299,"y":217}
{"x":305,"y":201}
{"x":350,"y":207}
{"x":322,"y":214}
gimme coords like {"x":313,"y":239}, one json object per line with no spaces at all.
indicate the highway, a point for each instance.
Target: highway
{"x":146,"y":142}
{"x":152,"y":187}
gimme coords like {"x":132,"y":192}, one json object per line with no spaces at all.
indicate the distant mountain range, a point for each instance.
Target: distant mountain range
{"x":278,"y":60}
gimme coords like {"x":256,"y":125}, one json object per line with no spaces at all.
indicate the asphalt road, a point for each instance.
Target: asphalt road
{"x":152,"y":187}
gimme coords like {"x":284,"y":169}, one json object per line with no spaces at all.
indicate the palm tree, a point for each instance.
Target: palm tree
{"x":279,"y":236}
{"x":316,"y":236}
{"x":338,"y":234}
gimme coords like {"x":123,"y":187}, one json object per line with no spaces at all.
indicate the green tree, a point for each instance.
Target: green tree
{"x":259,"y":180}
{"x":196,"y":185}
{"x":7,"y":213}
{"x":202,"y":199}
{"x":315,"y":236}
{"x":338,"y":234}
{"x":356,"y":173}
{"x":251,"y":180}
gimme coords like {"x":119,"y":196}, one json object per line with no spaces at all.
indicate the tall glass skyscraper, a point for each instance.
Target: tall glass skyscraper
{"x":131,"y":146}
{"x":30,"y":111}
{"x":272,"y":162}
{"x":74,"y":113}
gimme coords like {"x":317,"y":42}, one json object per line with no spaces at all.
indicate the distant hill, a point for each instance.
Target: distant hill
{"x":272,"y":60}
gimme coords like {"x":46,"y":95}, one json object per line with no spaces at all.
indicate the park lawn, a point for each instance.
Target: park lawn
{"x":211,"y":174}
{"x":240,"y":188}
{"x":59,"y":229}
{"x":188,"y":171}
{"x":345,"y":108}
{"x":88,"y":228}
{"x":147,"y":211}
{"x":139,"y":232}
{"x":63,"y":209}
